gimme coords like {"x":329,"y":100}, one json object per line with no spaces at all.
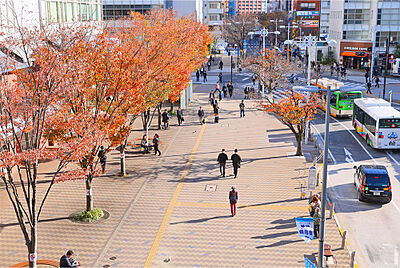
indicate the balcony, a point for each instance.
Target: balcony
{"x":215,"y":23}
{"x":215,"y":11}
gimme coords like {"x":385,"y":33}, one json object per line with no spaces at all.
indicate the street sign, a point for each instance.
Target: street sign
{"x":390,"y":92}
{"x":311,"y":178}
{"x":391,"y":58}
{"x":308,"y":263}
{"x":305,"y":228}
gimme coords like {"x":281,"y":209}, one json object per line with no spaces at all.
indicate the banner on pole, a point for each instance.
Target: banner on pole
{"x":305,"y":228}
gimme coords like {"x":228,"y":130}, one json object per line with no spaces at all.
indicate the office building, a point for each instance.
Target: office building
{"x":214,"y":12}
{"x":357,"y":24}
{"x":307,"y":16}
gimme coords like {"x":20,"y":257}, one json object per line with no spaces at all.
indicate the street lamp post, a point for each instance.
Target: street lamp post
{"x":325,"y":179}
{"x":276,"y":29}
{"x":310,"y":41}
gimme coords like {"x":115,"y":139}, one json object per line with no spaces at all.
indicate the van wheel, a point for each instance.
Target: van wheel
{"x":360,"y":197}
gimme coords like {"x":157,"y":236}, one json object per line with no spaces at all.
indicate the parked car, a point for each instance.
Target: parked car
{"x":372,"y":182}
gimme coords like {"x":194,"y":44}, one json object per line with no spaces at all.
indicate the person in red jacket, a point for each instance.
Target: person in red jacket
{"x":233,"y":198}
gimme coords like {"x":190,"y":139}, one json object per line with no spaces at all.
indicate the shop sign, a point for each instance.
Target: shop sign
{"x":307,"y":13}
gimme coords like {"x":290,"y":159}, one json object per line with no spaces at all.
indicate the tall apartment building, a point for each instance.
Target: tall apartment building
{"x":325,"y":10}
{"x":251,"y":6}
{"x":214,"y":12}
{"x":356,"y":24}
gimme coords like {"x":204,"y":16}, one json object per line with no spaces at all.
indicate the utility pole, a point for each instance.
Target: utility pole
{"x":324,"y":182}
{"x":231,"y":64}
{"x":386,"y":65}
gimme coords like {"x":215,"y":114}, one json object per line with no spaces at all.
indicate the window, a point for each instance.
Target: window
{"x":213,"y":17}
{"x":358,"y":114}
{"x":307,"y":6}
{"x":214,"y":5}
{"x":356,"y":35}
{"x":333,"y":100}
{"x":370,"y":123}
{"x":356,"y":16}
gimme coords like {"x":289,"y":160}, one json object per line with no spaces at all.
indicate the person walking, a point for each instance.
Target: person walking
{"x":332,"y":69}
{"x":144,"y":144}
{"x":103,"y":158}
{"x":165,"y":118}
{"x":211,"y":96}
{"x":209,"y":65}
{"x":197,"y":76}
{"x":200,"y":113}
{"x":222,"y":158}
{"x":366,"y":76}
{"x":230,"y":89}
{"x":179,"y":114}
{"x":216,"y":116}
{"x":369,"y":87}
{"x":246,"y":92}
{"x":241,"y":107}
{"x":214,"y":103}
{"x":221,"y":65}
{"x":156,"y":143}
{"x":254,"y":79}
{"x":204,"y":76}
{"x":236,"y":162}
{"x":317,"y":221}
{"x":219,"y":95}
{"x":233,"y":198}
{"x":224,"y":90}
{"x":377,"y":81}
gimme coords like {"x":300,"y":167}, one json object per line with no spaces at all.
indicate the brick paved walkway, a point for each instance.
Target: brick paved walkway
{"x":162,"y":209}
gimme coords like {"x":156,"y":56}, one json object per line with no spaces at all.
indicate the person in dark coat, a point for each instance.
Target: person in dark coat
{"x":197,"y":75}
{"x":204,"y":76}
{"x":220,"y":77}
{"x":236,"y":162}
{"x":211,"y":96}
{"x":224,"y":90}
{"x":103,"y":158}
{"x":165,"y":118}
{"x":366,"y":77}
{"x":230,"y":89}
{"x":179,"y":114}
{"x":369,"y":87}
{"x":377,"y":81}
{"x":200,"y":113}
{"x":233,"y":198}
{"x":67,"y":261}
{"x":221,"y":64}
{"x":222,"y":158}
{"x":241,"y":107}
{"x":156,"y":143}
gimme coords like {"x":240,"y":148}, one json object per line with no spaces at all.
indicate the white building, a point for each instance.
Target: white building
{"x":324,"y":17}
{"x":31,"y":12}
{"x":213,"y":13}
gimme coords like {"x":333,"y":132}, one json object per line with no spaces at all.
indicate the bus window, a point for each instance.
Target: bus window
{"x":333,"y":100}
{"x":370,"y":123}
{"x":359,"y":114}
{"x":389,"y":123}
{"x":350,"y":96}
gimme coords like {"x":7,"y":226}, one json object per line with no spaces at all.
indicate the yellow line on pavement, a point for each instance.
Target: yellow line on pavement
{"x":244,"y":206}
{"x":173,"y":202}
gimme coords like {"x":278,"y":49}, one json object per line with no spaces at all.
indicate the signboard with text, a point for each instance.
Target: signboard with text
{"x":305,"y":228}
{"x":307,"y":13}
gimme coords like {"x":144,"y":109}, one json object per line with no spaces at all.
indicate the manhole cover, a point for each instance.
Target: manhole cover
{"x":210,"y":188}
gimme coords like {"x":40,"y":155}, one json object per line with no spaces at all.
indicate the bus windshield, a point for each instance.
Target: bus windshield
{"x":389,"y":123}
{"x":350,"y":96}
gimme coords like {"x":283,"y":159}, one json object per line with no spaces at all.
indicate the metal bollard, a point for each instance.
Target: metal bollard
{"x":353,"y":256}
{"x":344,"y":239}
{"x":331,"y":209}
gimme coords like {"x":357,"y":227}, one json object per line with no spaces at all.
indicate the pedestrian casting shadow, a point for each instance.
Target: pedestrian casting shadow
{"x":347,"y":201}
{"x":275,"y":235}
{"x":202,"y":220}
{"x":270,"y":203}
{"x":280,"y":243}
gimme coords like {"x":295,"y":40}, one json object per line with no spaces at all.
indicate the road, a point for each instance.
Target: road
{"x":373,"y":227}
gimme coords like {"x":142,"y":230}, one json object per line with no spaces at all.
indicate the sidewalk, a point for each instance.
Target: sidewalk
{"x":176,"y":206}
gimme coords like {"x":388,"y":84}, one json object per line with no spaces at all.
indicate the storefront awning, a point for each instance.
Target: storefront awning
{"x":354,"y":54}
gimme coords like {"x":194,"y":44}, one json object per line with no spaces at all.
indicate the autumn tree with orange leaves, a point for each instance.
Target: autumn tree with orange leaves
{"x":272,"y":69}
{"x":30,"y":101}
{"x":294,"y":111}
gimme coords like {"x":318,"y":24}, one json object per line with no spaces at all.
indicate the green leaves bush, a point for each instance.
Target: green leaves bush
{"x":89,"y":216}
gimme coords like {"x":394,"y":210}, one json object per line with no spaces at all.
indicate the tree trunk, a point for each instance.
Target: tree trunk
{"x":172,"y":106}
{"x":89,"y":196}
{"x":32,"y":248}
{"x":123,"y":166}
{"x":159,"y":116}
{"x":299,"y":138}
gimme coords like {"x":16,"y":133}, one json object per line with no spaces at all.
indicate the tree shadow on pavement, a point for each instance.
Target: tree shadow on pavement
{"x":270,"y":203}
{"x":280,"y":243}
{"x":202,"y":220}
{"x":282,"y":226}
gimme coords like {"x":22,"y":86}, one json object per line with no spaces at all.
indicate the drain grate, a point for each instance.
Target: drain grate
{"x":210,"y":188}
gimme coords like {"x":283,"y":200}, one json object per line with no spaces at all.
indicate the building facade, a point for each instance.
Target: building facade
{"x":361,"y":27}
{"x":251,"y":6}
{"x":214,"y":12}
{"x":307,"y":16}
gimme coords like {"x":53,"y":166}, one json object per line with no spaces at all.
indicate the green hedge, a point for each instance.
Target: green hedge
{"x":89,"y":216}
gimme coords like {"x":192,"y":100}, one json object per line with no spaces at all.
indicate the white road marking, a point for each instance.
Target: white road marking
{"x":391,"y":157}
{"x":351,"y":133}
{"x":349,"y":158}
{"x":329,"y":151}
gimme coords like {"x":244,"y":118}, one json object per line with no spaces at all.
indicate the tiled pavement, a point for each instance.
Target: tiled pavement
{"x":162,"y":209}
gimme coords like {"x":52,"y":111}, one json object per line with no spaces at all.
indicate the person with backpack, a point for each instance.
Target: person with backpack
{"x":103,"y":158}
{"x":200,"y":113}
{"x":241,"y":107}
{"x":230,"y":89}
{"x":156,"y":143}
{"x":222,"y":158}
{"x":233,"y":198}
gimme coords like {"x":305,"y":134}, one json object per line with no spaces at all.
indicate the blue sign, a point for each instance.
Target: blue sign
{"x":245,"y":44}
{"x":308,"y":263}
{"x":392,"y":136}
{"x":305,"y":228}
{"x":307,"y":13}
{"x":390,"y":92}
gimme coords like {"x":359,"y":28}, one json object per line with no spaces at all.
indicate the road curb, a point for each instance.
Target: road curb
{"x":347,"y":245}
